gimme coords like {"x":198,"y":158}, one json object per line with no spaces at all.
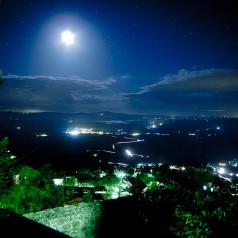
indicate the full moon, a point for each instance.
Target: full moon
{"x":67,"y":37}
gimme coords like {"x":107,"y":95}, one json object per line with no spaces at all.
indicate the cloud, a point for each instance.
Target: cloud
{"x":59,"y":93}
{"x":74,"y":80}
{"x":203,"y":80}
{"x":189,"y":91}
{"x":184,"y":93}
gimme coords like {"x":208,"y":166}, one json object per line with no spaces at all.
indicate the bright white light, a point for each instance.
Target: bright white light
{"x":74,"y":132}
{"x":135,"y":134}
{"x":67,"y":38}
{"x":58,"y":181}
{"x":221,"y":171}
{"x":128,"y":152}
{"x":172,"y":167}
{"x":42,"y":135}
{"x":121,"y":174}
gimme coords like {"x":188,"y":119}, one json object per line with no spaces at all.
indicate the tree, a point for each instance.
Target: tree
{"x":110,"y":181}
{"x":1,"y":80}
{"x":6,"y":166}
{"x":32,"y":192}
{"x":197,"y":177}
{"x":85,"y":175}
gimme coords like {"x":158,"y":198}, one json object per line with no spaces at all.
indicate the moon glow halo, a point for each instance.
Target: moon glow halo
{"x":67,"y":37}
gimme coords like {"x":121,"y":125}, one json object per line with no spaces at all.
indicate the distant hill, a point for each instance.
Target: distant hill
{"x":60,"y":116}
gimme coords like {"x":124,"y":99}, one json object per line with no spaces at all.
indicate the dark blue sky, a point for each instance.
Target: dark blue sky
{"x":174,"y":58}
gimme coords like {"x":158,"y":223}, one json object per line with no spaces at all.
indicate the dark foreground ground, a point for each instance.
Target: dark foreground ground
{"x":13,"y":225}
{"x":121,"y":218}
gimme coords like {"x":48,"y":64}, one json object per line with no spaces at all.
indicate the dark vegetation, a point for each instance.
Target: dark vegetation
{"x":171,"y":203}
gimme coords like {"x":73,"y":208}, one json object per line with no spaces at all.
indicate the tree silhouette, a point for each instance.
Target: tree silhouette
{"x":6,"y":166}
{"x":1,"y":80}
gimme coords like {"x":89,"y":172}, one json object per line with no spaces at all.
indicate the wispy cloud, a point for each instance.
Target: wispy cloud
{"x":186,"y":92}
{"x":190,"y":91}
{"x":60,"y":93}
{"x":90,"y":84}
{"x":203,"y":80}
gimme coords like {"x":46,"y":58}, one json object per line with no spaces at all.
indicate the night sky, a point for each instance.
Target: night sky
{"x":175,"y":58}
